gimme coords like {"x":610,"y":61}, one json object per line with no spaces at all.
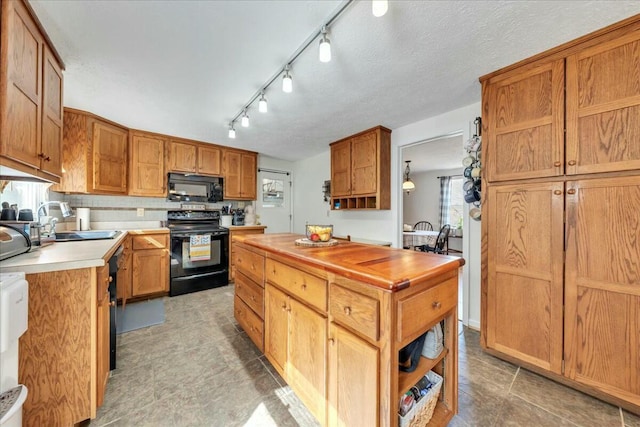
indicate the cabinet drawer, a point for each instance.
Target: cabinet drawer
{"x":419,"y":311}
{"x":151,"y":241}
{"x":306,"y":287}
{"x":357,"y":311}
{"x":249,"y":263}
{"x":249,"y":321}
{"x":251,"y":293}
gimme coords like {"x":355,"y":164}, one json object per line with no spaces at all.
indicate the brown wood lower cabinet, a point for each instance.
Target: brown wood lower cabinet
{"x":335,"y":339}
{"x":150,"y":263}
{"x":240,"y":231}
{"x":64,"y":354}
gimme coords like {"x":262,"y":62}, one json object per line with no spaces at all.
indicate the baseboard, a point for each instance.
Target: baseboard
{"x":474,"y":324}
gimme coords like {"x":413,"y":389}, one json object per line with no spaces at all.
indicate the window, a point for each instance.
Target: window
{"x":456,"y":203}
{"x":25,"y":194}
{"x":272,"y":193}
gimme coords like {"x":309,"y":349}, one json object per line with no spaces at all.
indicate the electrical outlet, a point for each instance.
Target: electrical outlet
{"x":140,"y":211}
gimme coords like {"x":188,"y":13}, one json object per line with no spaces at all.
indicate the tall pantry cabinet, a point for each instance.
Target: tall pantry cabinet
{"x":561,"y":249}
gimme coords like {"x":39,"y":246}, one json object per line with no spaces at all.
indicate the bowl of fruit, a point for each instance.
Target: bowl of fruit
{"x":319,"y":233}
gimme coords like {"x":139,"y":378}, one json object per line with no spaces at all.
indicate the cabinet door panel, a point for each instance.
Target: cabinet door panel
{"x":150,"y":272}
{"x":306,"y":367}
{"x":525,"y":116}
{"x":210,"y":160}
{"x":109,"y":158}
{"x":232,"y":178}
{"x":364,"y":153}
{"x":275,"y":328}
{"x":341,"y":169}
{"x":524,"y":294}
{"x":353,"y":380}
{"x":22,"y":113}
{"x":147,"y":166}
{"x":51,"y":115}
{"x":248,"y":177}
{"x":603,"y":107}
{"x":602,"y":285}
{"x":182,"y":157}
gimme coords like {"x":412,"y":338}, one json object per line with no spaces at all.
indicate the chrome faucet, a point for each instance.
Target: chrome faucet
{"x":64,"y":208}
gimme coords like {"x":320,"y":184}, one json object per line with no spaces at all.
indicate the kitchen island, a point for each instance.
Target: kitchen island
{"x":332,"y":320}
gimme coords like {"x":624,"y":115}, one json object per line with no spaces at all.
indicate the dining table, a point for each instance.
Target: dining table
{"x":415,"y":238}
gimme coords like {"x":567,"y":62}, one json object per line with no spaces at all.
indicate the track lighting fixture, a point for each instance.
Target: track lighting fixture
{"x":379,"y":7}
{"x":324,"y":55}
{"x":262,"y":104}
{"x":324,"y":52}
{"x":287,"y":81}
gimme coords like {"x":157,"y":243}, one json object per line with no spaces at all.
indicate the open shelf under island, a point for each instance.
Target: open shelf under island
{"x":332,"y":320}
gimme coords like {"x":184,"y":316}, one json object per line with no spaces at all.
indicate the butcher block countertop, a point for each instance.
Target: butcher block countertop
{"x":388,"y":268}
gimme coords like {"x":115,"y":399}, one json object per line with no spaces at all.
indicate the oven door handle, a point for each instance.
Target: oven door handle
{"x":188,"y":235}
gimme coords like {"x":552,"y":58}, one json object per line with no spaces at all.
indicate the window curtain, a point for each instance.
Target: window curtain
{"x":445,"y":198}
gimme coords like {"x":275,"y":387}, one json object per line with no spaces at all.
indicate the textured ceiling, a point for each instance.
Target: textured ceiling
{"x":186,"y":68}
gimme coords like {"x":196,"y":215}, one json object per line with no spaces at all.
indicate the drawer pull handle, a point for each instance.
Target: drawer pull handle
{"x":284,"y":306}
{"x":112,"y":304}
{"x":557,"y":192}
{"x":436,"y":304}
{"x":110,"y":279}
{"x":571,"y":191}
{"x":347,"y":311}
{"x":253,"y":267}
{"x":332,"y":341}
{"x":557,"y":164}
{"x":253,"y":298}
{"x":571,"y":163}
{"x":304,"y":287}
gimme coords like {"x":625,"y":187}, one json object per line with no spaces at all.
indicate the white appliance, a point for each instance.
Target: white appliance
{"x":14,"y":305}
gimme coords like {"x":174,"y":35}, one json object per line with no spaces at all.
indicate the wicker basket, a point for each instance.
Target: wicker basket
{"x":422,"y":411}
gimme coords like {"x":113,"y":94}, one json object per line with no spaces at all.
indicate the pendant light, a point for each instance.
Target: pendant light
{"x":324,"y":52}
{"x":232,"y":131}
{"x":287,"y":81}
{"x":407,"y":186}
{"x":262,"y":104}
{"x":245,"y":120}
{"x":379,"y":7}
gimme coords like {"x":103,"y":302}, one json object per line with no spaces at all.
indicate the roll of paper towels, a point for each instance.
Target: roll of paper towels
{"x":83,"y":218}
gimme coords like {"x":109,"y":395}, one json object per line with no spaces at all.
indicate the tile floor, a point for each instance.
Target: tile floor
{"x":199,"y":369}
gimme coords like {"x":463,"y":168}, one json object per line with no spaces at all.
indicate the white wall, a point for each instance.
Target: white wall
{"x":266,"y":162}
{"x":386,"y":225}
{"x":460,"y":120}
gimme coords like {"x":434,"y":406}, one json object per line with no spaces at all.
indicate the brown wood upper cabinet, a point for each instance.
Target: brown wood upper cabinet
{"x":360,"y":170}
{"x":31,"y":101}
{"x":94,"y":155}
{"x":524,"y":113}
{"x":239,"y":171}
{"x":147,"y":166}
{"x":191,"y":157}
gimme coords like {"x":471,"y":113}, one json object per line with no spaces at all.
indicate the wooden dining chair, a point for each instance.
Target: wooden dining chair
{"x":442,"y":242}
{"x":423,"y":225}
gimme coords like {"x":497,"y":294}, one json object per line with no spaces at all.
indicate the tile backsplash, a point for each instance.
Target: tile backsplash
{"x":125,"y":208}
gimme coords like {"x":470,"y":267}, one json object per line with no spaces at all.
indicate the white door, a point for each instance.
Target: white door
{"x":274,"y":200}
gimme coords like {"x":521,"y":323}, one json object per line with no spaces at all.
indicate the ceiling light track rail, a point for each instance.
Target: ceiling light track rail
{"x":321,"y":31}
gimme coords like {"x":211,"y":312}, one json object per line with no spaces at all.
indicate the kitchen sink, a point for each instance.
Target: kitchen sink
{"x":73,"y":236}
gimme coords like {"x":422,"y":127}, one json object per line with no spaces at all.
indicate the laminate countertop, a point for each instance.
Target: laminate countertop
{"x":60,"y":256}
{"x":389,"y":268}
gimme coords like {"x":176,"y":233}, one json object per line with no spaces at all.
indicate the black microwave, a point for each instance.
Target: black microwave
{"x":194,"y":188}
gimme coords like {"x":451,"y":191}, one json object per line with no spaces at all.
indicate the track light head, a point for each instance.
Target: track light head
{"x":232,"y":131}
{"x":245,"y":120}
{"x":262,"y":104}
{"x":324,"y":51}
{"x":379,"y":7}
{"x":287,"y":81}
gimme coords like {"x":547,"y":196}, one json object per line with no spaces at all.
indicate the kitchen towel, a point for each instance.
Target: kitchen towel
{"x":200,"y":247}
{"x":83,"y":218}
